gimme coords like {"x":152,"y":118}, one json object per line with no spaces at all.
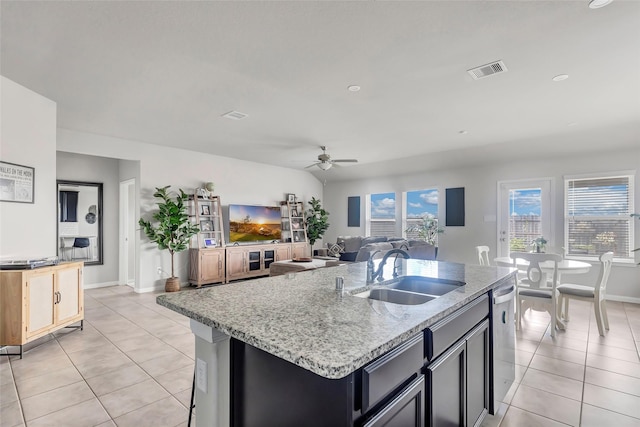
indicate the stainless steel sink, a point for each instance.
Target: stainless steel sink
{"x":423,"y":285}
{"x":396,"y":296}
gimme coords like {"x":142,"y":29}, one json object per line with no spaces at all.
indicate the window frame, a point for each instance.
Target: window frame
{"x":369,"y":219}
{"x":405,"y":210}
{"x":630,"y":176}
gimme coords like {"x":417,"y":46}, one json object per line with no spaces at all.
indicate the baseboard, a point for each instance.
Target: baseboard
{"x":99,"y":285}
{"x":156,"y":288}
{"x":619,"y":298}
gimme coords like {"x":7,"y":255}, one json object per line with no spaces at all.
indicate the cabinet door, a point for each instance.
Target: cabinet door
{"x":235,"y":264}
{"x":301,"y":250}
{"x":406,"y":410}
{"x":254,"y":260}
{"x":446,"y":388}
{"x":478,"y":374}
{"x":283,"y":252}
{"x":210,"y":265}
{"x":40,"y":299}
{"x":69,"y":301}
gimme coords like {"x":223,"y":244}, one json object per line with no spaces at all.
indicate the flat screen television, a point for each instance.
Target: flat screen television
{"x":249,"y":223}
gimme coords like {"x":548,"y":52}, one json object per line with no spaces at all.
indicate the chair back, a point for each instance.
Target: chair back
{"x":601,"y":285}
{"x":536,"y":277}
{"x":483,"y":255}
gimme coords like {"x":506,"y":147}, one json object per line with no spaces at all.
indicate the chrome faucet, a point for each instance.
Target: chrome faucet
{"x":370,"y":269}
{"x":372,"y":275}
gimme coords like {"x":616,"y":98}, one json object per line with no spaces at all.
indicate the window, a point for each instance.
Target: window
{"x":597,"y":216}
{"x":381,"y":215}
{"x":419,"y":206}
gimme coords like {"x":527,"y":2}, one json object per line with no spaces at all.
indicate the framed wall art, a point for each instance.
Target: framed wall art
{"x":16,"y":183}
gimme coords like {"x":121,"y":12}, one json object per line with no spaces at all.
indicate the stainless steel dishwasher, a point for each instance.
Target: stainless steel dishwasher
{"x":504,"y":336}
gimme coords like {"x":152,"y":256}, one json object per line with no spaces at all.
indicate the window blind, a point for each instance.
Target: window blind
{"x":597,"y":217}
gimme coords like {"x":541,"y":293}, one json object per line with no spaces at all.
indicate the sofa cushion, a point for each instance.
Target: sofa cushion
{"x":348,"y":256}
{"x":373,"y":239}
{"x":365,"y":252}
{"x":423,"y":251}
{"x":399,"y":243}
{"x":350,"y":244}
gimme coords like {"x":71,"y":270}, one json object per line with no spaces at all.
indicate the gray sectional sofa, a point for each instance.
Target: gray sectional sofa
{"x":358,"y":248}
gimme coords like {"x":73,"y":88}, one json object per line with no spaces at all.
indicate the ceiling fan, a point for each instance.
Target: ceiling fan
{"x":324,"y":160}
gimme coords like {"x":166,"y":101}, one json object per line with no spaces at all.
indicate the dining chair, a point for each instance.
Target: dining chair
{"x":483,"y":255}
{"x":567,"y":291}
{"x":81,"y":243}
{"x":534,"y":291}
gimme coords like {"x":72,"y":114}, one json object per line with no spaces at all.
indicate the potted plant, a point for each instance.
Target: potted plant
{"x":316,"y":221}
{"x":427,"y":230}
{"x":539,"y":244}
{"x":172,"y":230}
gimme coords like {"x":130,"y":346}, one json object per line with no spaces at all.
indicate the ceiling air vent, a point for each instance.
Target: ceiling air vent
{"x":487,"y":70}
{"x":235,"y":115}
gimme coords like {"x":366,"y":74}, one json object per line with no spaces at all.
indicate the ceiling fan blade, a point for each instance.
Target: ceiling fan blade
{"x":345,"y":161}
{"x":312,"y":165}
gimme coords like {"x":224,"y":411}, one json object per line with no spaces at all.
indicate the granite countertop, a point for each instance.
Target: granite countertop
{"x":301,"y":318}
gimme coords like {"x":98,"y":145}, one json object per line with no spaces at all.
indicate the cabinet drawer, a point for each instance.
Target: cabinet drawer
{"x":444,"y":333}
{"x":406,"y":410}
{"x":390,"y":371}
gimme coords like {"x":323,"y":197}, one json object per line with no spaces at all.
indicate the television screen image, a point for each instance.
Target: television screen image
{"x":254,"y":223}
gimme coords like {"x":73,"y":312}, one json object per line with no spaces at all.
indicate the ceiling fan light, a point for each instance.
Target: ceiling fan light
{"x":596,"y":4}
{"x":324,"y":165}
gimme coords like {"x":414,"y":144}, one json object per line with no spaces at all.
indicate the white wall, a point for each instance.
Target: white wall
{"x":457,"y":243}
{"x":236,"y":181}
{"x":28,"y":137}
{"x":75,"y":167}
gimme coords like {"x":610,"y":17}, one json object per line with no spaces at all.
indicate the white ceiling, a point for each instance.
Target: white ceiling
{"x":165,"y":72}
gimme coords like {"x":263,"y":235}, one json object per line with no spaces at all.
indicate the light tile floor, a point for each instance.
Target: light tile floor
{"x":579,"y":378}
{"x":133,"y":366}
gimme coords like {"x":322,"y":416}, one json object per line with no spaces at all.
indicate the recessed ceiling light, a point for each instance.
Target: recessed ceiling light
{"x":353,"y":88}
{"x":597,"y":4}
{"x":560,"y":77}
{"x":463,"y":132}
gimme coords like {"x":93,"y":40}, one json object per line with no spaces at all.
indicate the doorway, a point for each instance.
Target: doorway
{"x":127,"y":233}
{"x":524,"y":214}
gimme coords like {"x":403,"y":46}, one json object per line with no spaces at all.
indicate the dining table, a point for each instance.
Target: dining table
{"x":566,"y":266}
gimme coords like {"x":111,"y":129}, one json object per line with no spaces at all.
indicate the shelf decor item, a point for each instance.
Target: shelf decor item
{"x":172,"y":230}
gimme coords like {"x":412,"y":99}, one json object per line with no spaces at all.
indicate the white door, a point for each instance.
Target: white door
{"x":524,"y":214}
{"x":127,"y":232}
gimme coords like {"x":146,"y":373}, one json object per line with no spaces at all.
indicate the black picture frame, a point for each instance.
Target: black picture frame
{"x":17,"y":183}
{"x":205,"y":210}
{"x":454,"y":201}
{"x":206,"y":225}
{"x":353,"y":211}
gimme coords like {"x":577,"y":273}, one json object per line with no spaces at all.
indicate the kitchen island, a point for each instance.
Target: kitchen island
{"x":299,"y":326}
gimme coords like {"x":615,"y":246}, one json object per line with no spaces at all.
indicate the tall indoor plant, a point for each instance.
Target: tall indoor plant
{"x":172,"y":230}
{"x":317,"y":221}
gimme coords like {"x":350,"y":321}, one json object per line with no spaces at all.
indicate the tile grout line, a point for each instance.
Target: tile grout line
{"x":134,"y":362}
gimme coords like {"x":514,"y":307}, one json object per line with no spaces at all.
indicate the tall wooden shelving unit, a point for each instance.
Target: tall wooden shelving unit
{"x":207,"y":247}
{"x":294,"y":229}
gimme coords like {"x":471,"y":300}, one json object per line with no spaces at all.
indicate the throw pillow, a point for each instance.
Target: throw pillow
{"x":335,"y":250}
